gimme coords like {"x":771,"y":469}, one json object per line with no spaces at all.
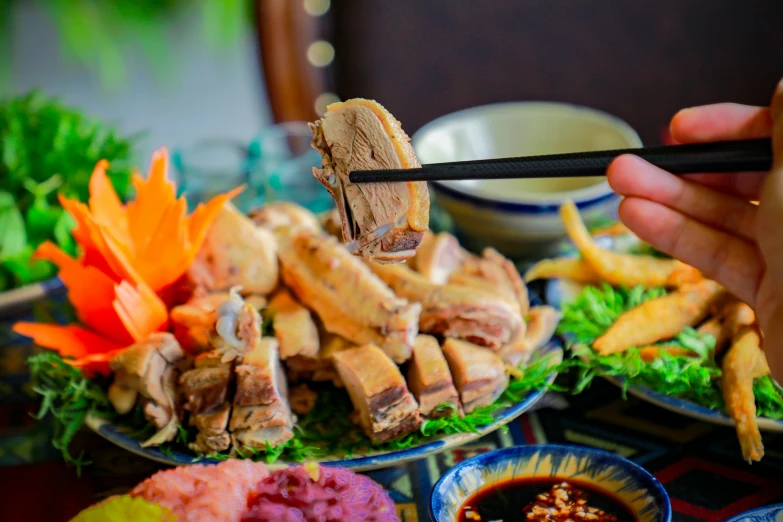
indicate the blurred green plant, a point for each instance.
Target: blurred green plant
{"x":96,"y":32}
{"x":47,"y":148}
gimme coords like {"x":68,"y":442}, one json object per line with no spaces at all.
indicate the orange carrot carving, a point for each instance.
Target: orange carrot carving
{"x":131,"y":255}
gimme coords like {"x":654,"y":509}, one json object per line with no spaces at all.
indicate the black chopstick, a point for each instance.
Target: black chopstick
{"x":726,"y":156}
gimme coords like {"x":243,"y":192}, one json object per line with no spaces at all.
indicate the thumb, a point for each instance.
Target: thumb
{"x":769,"y":233}
{"x":773,"y":344}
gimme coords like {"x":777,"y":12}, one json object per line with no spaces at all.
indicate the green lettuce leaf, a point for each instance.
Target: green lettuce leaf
{"x":695,"y":378}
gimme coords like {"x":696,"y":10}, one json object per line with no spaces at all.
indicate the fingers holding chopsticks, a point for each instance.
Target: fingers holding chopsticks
{"x":729,"y":259}
{"x":722,"y":122}
{"x":705,"y":220}
{"x":770,"y":237}
{"x":630,"y":176}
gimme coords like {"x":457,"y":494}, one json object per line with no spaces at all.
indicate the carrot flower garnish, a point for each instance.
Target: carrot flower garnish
{"x":131,"y":253}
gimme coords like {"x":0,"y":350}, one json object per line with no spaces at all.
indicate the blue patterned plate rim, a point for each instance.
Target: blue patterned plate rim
{"x":654,"y":487}
{"x":553,"y":297}
{"x":761,"y":514}
{"x":117,"y":436}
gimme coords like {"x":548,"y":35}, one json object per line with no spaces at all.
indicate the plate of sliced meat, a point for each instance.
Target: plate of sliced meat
{"x":357,"y":409}
{"x":360,"y":339}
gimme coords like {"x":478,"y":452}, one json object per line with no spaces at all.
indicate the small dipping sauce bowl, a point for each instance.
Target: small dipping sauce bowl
{"x":520,"y":217}
{"x":605,"y":474}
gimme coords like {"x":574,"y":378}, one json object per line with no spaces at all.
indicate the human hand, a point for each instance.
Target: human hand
{"x":708,"y":220}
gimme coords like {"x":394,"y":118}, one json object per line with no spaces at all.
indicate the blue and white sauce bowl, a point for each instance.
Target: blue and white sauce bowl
{"x":762,"y":514}
{"x":605,"y":472}
{"x":520,"y":217}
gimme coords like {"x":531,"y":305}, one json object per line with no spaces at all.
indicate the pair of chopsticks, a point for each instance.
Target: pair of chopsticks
{"x":727,"y":156}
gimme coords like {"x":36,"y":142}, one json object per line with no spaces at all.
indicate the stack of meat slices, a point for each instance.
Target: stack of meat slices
{"x":409,"y":336}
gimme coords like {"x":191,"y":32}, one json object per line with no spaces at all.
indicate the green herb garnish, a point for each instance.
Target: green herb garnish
{"x":694,"y":378}
{"x":68,"y":396}
{"x":46,"y":149}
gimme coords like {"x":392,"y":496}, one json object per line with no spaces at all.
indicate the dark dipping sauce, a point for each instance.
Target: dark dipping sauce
{"x":543,"y":499}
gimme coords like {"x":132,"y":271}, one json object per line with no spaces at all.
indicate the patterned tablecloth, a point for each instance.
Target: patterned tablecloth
{"x":699,"y":464}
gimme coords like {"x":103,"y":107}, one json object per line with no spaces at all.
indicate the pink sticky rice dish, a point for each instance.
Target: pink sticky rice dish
{"x":339,"y":494}
{"x":204,"y":493}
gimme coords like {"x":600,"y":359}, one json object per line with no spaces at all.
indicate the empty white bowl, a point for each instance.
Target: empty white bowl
{"x":520,"y":217}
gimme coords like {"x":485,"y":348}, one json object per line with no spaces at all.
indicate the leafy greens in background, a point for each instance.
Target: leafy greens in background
{"x":99,"y":33}
{"x":48,"y":148}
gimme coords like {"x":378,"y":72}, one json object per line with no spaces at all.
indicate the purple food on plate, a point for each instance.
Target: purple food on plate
{"x":318,"y":493}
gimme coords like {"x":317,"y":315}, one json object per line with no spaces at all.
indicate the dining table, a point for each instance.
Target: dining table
{"x":699,"y":464}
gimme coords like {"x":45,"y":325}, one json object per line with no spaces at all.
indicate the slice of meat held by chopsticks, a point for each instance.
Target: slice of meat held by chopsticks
{"x":348,"y":298}
{"x":479,"y":374}
{"x":386,"y":408}
{"x":380,"y":221}
{"x":476,"y":315}
{"x":661,"y":318}
{"x":620,"y":269}
{"x":744,"y":362}
{"x":430,"y":379}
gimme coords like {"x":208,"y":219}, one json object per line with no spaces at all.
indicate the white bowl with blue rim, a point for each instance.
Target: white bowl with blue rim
{"x":606,"y":472}
{"x":520,"y":217}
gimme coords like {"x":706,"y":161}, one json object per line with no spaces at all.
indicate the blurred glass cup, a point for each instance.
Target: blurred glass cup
{"x":215,"y":166}
{"x":285,"y":166}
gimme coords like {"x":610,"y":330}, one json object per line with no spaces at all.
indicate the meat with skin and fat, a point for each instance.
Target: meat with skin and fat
{"x":385,"y":407}
{"x":236,"y":253}
{"x":495,"y":273}
{"x":205,"y":386}
{"x":212,"y":428}
{"x":330,"y":222}
{"x":542,"y":322}
{"x":285,"y":214}
{"x":261,"y":413}
{"x":294,"y":327}
{"x":479,"y":374}
{"x":473,"y":314}
{"x":205,"y":390}
{"x":380,"y":221}
{"x":237,"y":328}
{"x":348,"y":298}
{"x":429,"y":378}
{"x":438,"y":256}
{"x":193,"y":321}
{"x":147,"y":370}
